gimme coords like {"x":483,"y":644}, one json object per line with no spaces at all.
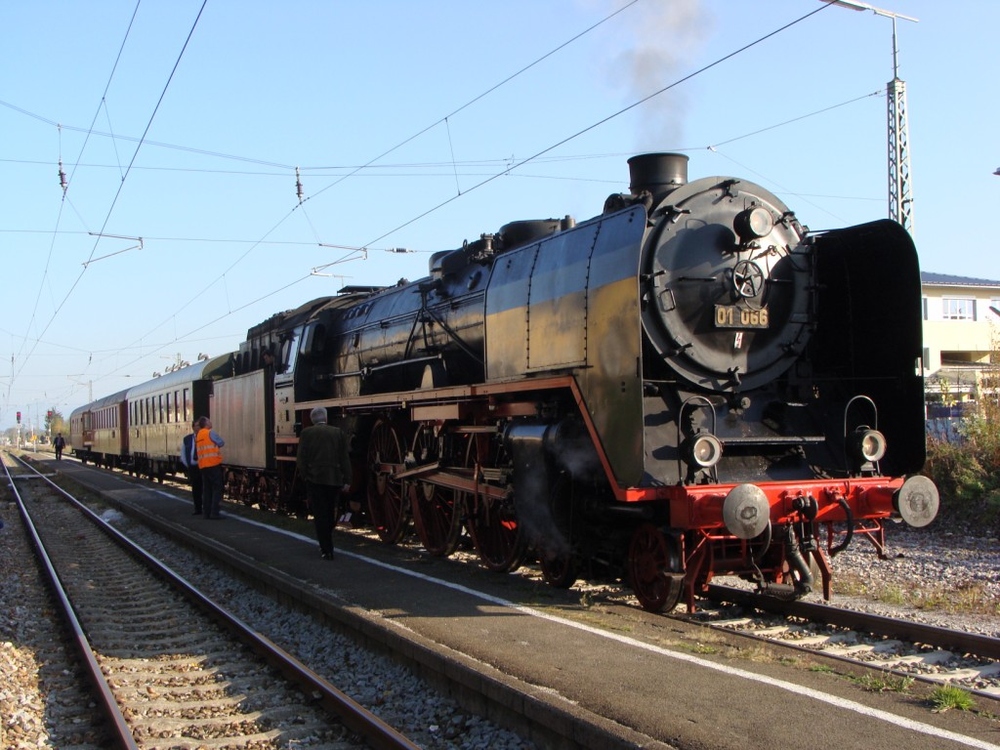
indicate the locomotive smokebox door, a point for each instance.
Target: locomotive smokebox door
{"x":727,"y":285}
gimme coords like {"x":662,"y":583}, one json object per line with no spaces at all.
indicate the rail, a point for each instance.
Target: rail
{"x":377,"y":733}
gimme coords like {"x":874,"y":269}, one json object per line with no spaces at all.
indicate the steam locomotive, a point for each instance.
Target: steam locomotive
{"x":686,"y":386}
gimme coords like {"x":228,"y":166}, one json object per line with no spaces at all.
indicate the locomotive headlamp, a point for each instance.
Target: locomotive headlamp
{"x":867,"y":445}
{"x":753,"y":223}
{"x":704,"y":451}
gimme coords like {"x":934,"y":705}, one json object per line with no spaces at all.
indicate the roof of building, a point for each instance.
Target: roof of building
{"x":949,"y":280}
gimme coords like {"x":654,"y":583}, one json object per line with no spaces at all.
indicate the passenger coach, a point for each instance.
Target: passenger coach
{"x":99,"y":431}
{"x":160,"y":413}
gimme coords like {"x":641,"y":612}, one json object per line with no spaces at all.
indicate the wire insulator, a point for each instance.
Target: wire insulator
{"x":298,"y":185}
{"x":62,"y":178}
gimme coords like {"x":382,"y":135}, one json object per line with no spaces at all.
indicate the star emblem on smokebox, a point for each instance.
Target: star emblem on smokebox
{"x":748,"y":279}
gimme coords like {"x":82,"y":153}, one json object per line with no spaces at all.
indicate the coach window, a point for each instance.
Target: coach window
{"x":160,"y":404}
{"x":187,"y":408}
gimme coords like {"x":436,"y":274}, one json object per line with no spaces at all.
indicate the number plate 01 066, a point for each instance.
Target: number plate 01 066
{"x":733,"y":316}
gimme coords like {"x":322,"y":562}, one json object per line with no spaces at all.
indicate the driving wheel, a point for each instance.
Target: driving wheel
{"x":492,"y":522}
{"x":436,"y":512}
{"x":654,"y":569}
{"x":386,"y":499}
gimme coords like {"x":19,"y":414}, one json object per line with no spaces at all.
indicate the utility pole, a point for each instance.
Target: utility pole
{"x":900,"y":186}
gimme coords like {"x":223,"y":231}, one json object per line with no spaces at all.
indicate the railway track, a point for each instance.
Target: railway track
{"x":168,"y":665}
{"x":609,"y":600}
{"x":903,"y":648}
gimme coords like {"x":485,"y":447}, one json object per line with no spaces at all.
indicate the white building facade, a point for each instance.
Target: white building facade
{"x":961,"y":335}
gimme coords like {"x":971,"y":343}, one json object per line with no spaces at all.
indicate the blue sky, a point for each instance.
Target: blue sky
{"x":184,"y":124}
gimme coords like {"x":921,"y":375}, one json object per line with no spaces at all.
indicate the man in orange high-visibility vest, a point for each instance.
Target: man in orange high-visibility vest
{"x":207,"y":444}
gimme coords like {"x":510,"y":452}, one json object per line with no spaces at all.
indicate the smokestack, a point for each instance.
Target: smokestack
{"x":657,"y":173}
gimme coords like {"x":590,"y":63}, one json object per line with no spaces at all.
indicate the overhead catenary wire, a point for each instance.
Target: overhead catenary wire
{"x":598,"y":123}
{"x":484,"y":94}
{"x":17,"y":371}
{"x":364,"y":249}
{"x":513,"y":165}
{"x":64,"y":184}
{"x":516,"y":165}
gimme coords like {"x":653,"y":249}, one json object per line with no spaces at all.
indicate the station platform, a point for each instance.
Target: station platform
{"x":590,"y":674}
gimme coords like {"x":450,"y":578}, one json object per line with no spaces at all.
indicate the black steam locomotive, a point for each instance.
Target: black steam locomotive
{"x":685,"y":386}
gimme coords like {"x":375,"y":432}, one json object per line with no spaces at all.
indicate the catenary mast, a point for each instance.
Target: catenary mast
{"x":900,"y":185}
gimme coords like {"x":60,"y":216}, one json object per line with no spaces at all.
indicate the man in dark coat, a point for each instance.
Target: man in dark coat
{"x":189,"y":458}
{"x":324,"y":463}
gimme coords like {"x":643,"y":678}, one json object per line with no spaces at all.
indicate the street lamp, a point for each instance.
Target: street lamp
{"x":900,"y":189}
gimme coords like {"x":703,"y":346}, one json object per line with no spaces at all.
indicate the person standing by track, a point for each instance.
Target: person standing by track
{"x":59,"y":443}
{"x":324,"y":463}
{"x":207,"y":445}
{"x":189,"y":458}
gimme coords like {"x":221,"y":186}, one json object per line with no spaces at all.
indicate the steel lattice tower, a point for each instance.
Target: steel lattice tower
{"x":900,"y":187}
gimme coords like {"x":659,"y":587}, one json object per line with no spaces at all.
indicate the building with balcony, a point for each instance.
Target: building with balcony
{"x":961,"y":337}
